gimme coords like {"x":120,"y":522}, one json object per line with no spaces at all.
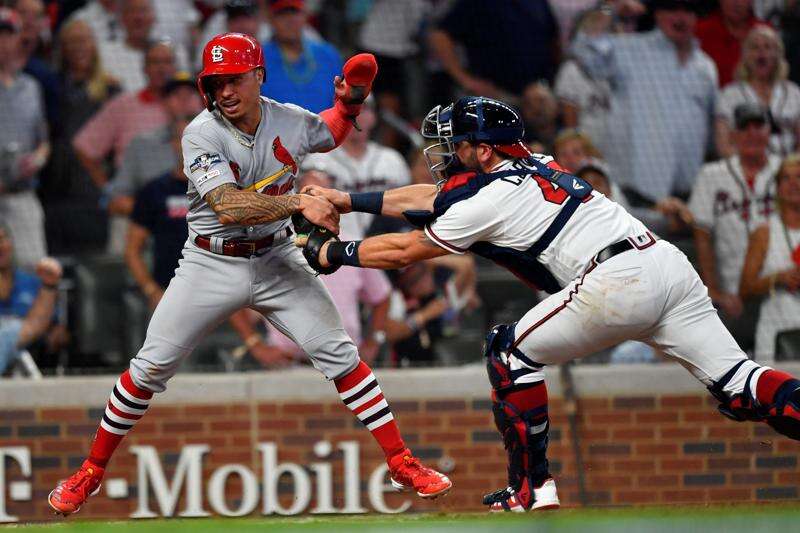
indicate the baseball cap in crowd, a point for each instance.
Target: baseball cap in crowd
{"x":240,"y":8}
{"x":181,"y":79}
{"x":675,"y":5}
{"x":281,"y":5}
{"x":9,"y":20}
{"x":748,"y":113}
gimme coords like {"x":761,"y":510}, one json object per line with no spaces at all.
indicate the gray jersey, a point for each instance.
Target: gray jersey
{"x":215,"y":153}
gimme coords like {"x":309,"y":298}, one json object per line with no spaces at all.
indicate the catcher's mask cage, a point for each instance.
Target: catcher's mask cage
{"x":438,"y":126}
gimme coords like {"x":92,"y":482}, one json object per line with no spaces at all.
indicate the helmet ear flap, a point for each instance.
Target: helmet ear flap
{"x":206,"y":92}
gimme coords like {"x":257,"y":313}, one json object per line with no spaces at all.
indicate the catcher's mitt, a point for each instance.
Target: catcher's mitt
{"x":316,"y":237}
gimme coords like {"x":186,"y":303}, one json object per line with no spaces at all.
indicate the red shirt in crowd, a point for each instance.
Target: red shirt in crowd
{"x":717,"y":41}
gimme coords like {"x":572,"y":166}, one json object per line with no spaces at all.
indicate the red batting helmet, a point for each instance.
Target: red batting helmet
{"x":229,"y":53}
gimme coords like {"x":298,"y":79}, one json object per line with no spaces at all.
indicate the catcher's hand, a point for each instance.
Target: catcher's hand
{"x":311,"y":238}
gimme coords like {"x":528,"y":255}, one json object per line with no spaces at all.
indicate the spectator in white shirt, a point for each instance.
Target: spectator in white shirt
{"x":124,"y":59}
{"x":102,"y":16}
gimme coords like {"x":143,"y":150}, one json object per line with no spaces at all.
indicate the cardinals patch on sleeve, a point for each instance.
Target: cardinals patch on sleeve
{"x":204,"y":162}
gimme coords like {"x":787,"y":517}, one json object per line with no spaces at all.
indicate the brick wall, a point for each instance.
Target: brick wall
{"x":661,"y":449}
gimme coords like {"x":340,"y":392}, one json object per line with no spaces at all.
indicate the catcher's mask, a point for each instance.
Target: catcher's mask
{"x":475,"y":119}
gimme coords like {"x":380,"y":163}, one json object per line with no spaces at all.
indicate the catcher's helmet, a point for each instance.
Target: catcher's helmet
{"x":474,"y":119}
{"x":229,"y":53}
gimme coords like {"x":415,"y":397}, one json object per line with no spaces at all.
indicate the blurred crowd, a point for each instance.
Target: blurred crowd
{"x":687,"y":112}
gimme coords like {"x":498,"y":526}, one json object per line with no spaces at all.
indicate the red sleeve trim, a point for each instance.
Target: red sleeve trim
{"x":338,"y":123}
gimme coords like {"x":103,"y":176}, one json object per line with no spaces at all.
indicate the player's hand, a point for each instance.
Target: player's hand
{"x":730,"y":304}
{"x":339,"y":199}
{"x":49,"y":271}
{"x":368,"y":351}
{"x":320,"y":212}
{"x":271,"y":357}
{"x":789,"y":279}
{"x":29,"y":164}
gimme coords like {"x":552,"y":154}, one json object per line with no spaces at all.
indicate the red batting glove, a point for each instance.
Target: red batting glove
{"x":359,"y":72}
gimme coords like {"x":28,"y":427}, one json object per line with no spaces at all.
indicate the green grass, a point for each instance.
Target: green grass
{"x":749,"y":519}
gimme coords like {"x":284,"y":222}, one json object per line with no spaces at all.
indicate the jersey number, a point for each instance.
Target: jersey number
{"x":550,"y":191}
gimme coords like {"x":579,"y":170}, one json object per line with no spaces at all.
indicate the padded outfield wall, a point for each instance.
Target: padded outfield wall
{"x":282,"y":443}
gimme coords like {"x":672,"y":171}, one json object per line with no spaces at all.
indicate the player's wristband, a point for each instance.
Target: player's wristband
{"x":367,"y":202}
{"x":343,"y":253}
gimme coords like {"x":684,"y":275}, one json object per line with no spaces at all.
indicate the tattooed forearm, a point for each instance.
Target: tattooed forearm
{"x":234,"y":206}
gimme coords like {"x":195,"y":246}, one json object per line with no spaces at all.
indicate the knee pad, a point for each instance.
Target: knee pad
{"x":496,"y":349}
{"x":524,"y":438}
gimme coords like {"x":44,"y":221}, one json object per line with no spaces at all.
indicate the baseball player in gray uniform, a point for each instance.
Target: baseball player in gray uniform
{"x":241,"y":156}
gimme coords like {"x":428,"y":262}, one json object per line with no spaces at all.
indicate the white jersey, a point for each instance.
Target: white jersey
{"x":724,"y":205}
{"x":379,"y":169}
{"x":780,"y":311}
{"x":503,"y":219}
{"x":215,"y":152}
{"x":784,"y":107}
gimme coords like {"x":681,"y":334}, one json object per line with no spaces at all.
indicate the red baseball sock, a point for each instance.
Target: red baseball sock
{"x":126,"y":405}
{"x":361,"y":394}
{"x":768,"y":384}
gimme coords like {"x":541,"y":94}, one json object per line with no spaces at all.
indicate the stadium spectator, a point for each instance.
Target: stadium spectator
{"x":761,"y":79}
{"x":722,"y":32}
{"x":74,"y":219}
{"x":730,"y":200}
{"x":669,"y":217}
{"x":103,"y":17}
{"x":242,"y":16}
{"x":572,"y":147}
{"x":27,"y":302}
{"x":24,"y":147}
{"x":416,"y":316}
{"x":391,"y":31}
{"x":575,"y":151}
{"x":31,"y":58}
{"x":355,"y":292}
{"x":508,"y":44}
{"x":149,"y":154}
{"x":124,"y":58}
{"x":159,"y":211}
{"x":299,"y":70}
{"x":176,"y":21}
{"x":362,"y":165}
{"x":584,"y":102}
{"x":663,"y":96}
{"x":539,"y":108}
{"x":772,"y":269}
{"x":125,"y":116}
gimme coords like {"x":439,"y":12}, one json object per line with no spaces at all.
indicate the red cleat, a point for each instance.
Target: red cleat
{"x":408,"y":474}
{"x":70,"y":494}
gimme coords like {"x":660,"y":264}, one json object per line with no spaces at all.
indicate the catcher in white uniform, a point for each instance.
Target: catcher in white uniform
{"x":609,"y":278}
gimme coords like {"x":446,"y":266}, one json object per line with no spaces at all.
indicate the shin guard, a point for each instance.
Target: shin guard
{"x":520,"y":414}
